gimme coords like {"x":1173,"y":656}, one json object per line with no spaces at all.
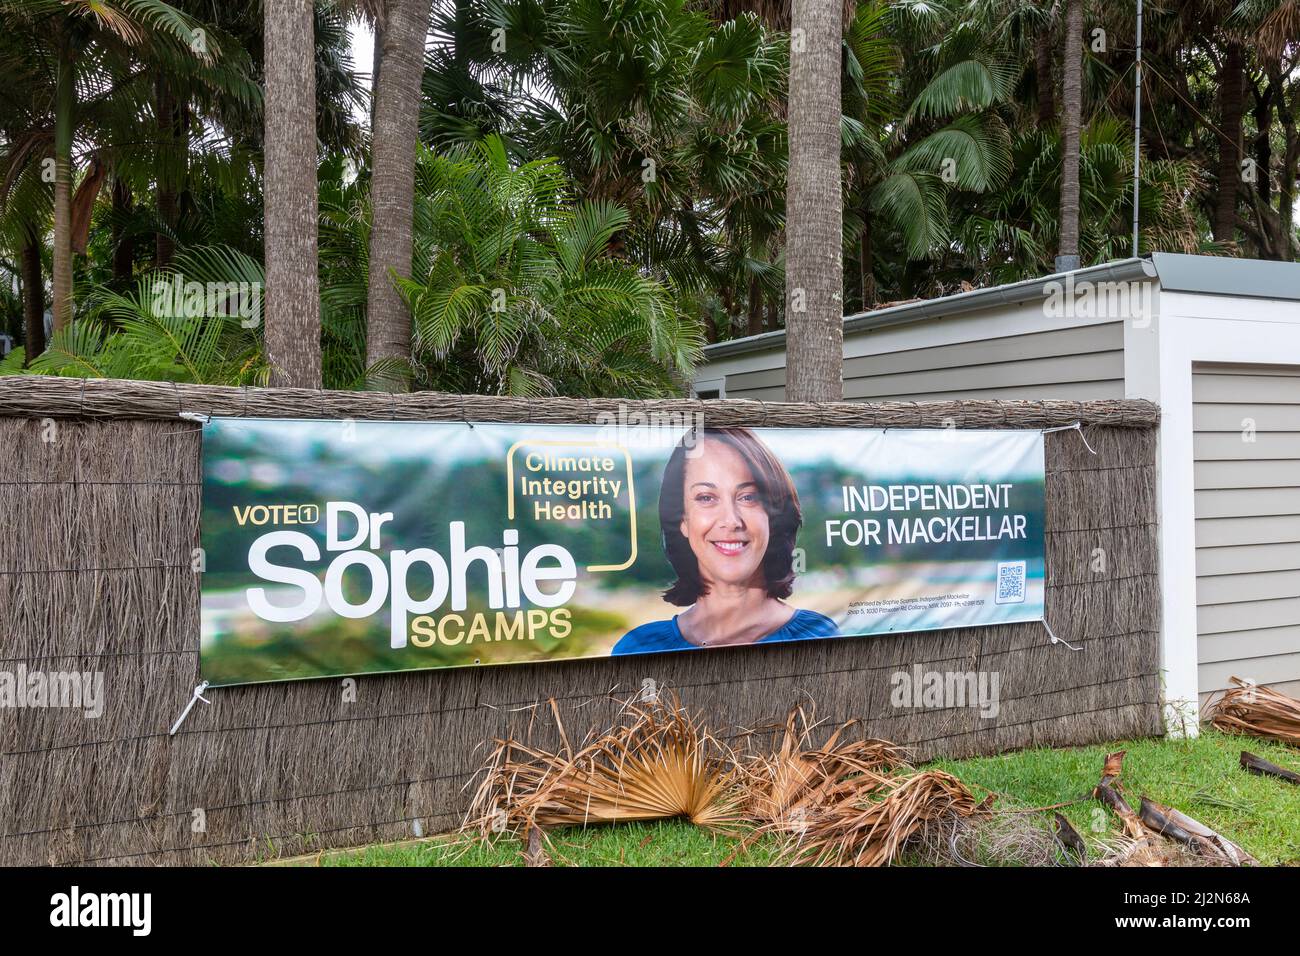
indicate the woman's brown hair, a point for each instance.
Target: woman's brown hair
{"x":780,"y":501}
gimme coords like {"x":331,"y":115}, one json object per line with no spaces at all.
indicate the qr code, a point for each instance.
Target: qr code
{"x":1011,"y":582}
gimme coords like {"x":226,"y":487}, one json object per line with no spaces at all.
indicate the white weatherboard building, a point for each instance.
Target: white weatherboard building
{"x":1214,"y":341}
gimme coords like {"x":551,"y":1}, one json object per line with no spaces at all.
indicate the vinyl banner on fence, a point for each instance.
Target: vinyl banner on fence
{"x":350,"y":547}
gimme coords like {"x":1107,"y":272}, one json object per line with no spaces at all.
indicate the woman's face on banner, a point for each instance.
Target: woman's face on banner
{"x":724,"y":518}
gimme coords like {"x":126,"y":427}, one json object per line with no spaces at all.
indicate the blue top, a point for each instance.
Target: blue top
{"x":667,"y":636}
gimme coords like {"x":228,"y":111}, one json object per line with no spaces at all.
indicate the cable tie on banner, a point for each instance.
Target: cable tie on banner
{"x":195,"y":417}
{"x":1058,"y":640}
{"x":198,"y":695}
{"x":1076,"y":427}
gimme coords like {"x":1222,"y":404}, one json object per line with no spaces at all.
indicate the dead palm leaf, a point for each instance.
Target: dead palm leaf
{"x":660,"y":763}
{"x":785,"y":785}
{"x":845,"y":802}
{"x":1279,"y":28}
{"x":1258,"y":711}
{"x":869,"y":825}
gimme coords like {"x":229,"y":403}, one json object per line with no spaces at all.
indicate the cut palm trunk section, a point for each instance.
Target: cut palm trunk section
{"x":1264,"y":768}
{"x":1110,"y":792}
{"x":1153,"y":820}
{"x":1180,"y":827}
{"x":1073,"y":847}
{"x":1247,"y":708}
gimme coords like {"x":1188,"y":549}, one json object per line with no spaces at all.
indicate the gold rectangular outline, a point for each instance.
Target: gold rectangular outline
{"x":631,"y":489}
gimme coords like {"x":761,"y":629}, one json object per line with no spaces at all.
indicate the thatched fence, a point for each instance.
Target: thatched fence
{"x":99,"y":508}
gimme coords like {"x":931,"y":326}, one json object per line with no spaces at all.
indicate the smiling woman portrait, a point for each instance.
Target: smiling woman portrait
{"x":729,"y":515}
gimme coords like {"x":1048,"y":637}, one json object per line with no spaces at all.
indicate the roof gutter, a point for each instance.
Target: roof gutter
{"x":1123,"y":270}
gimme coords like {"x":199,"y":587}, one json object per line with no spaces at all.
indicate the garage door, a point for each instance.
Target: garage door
{"x":1247,"y":448}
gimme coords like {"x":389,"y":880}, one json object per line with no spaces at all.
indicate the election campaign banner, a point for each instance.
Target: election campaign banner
{"x":337,"y":548}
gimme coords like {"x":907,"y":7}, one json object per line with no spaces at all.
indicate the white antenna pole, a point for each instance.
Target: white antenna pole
{"x":1137,"y":130}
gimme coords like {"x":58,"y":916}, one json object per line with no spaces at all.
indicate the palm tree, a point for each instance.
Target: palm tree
{"x":1067,"y":255}
{"x":188,"y":100}
{"x":292,"y":308}
{"x":1232,"y":103}
{"x":138,"y":334}
{"x":1009,"y":234}
{"x":392,"y":175}
{"x":931,"y":125}
{"x":515,"y":290}
{"x":1044,"y":84}
{"x":814,"y":279}
{"x":73,"y":33}
{"x":1270,"y":29}
{"x":25,"y":196}
{"x":685,"y":131}
{"x":33,"y":289}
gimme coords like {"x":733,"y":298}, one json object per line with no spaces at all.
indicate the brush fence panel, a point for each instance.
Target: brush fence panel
{"x":99,"y":510}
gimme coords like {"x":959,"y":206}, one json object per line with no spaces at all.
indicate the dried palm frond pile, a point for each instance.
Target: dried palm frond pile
{"x":785,"y":785}
{"x":847,"y":801}
{"x":872,"y":816}
{"x":660,"y":762}
{"x":1247,"y":708}
{"x":825,"y":797}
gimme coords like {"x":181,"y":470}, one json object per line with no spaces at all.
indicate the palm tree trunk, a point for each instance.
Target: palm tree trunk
{"x":292,"y":307}
{"x":867,"y":263}
{"x":1290,"y":160}
{"x":1067,"y":256}
{"x":814,"y":280}
{"x":728,"y":307}
{"x":376,"y":56}
{"x":392,"y":184}
{"x":65,"y":104}
{"x":1263,"y":141}
{"x":165,"y":171}
{"x":754,"y":317}
{"x":33,"y":299}
{"x":1232,"y":79}
{"x":123,"y":243}
{"x":1043,"y":73}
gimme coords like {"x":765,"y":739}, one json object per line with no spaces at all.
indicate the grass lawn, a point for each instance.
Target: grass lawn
{"x":662,"y":843}
{"x":1200,"y":777}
